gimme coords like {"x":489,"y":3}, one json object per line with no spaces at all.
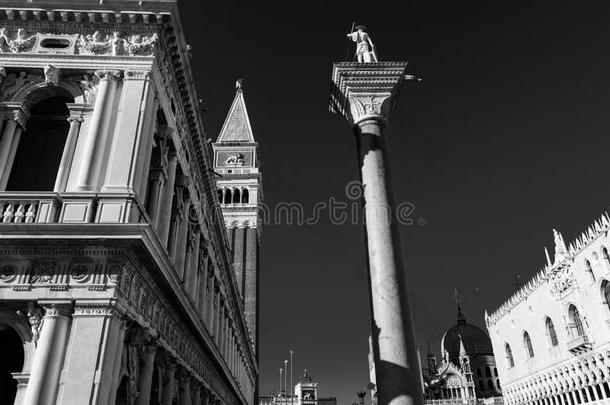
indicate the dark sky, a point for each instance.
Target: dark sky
{"x":506,"y":138}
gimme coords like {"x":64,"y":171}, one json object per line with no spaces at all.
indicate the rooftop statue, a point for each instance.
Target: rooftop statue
{"x":365,"y":50}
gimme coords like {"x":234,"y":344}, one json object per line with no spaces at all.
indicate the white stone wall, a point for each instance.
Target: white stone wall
{"x":555,"y":374}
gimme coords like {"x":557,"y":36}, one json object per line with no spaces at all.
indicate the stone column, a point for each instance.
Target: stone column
{"x":154,"y":194}
{"x":185,"y":387}
{"x":182,"y":233}
{"x":146,"y":374}
{"x":101,"y":114}
{"x":196,"y":394}
{"x":165,"y":205}
{"x":364,"y":93}
{"x":169,"y":382}
{"x":48,"y":359}
{"x":75,"y":119}
{"x":16,"y":117}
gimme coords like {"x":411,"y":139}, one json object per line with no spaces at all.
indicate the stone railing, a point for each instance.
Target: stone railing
{"x":454,"y":401}
{"x":28,"y":207}
{"x":50,"y":207}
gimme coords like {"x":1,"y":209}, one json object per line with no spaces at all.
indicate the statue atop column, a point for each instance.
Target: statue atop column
{"x":365,"y":50}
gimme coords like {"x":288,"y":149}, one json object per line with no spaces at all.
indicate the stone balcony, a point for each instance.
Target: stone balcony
{"x":69,"y":208}
{"x":579,"y":344}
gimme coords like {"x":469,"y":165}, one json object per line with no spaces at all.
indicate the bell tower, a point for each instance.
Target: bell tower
{"x":240,"y":191}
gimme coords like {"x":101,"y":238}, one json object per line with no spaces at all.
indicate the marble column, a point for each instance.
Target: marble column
{"x":154,"y":194}
{"x":364,"y":94}
{"x":182,"y":232}
{"x":16,"y":117}
{"x":104,"y":101}
{"x":185,"y":388}
{"x":165,"y":204}
{"x":75,"y":119}
{"x":49,"y":356}
{"x":196,"y":394}
{"x":169,"y":382}
{"x":146,"y":374}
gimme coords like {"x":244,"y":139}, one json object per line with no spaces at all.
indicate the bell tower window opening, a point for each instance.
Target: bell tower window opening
{"x":236,"y":196}
{"x":245,"y":197}
{"x":40,"y":147}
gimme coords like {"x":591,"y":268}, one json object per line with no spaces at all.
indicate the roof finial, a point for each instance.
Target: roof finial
{"x":457,"y":297}
{"x":561,"y":251}
{"x":238,"y":83}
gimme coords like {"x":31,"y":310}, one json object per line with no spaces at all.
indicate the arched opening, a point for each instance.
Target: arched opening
{"x":589,"y":270}
{"x":550,"y":330}
{"x":509,"y":356}
{"x":527,"y":342}
{"x":577,"y":327}
{"x":227,"y":196}
{"x":606,"y":293}
{"x":236,"y":196}
{"x":12,"y":362}
{"x":245,"y":197}
{"x":487,"y":371}
{"x":605,"y":253}
{"x":41,"y":146}
{"x":490,"y":385}
{"x":220,"y":195}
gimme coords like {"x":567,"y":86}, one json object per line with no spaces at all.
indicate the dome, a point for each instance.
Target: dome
{"x":474,"y":339}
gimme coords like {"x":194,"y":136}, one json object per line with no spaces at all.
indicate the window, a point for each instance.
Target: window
{"x":490,"y":385}
{"x":245,"y":198}
{"x":576,"y":321}
{"x":236,"y":196}
{"x":606,"y":292}
{"x":550,"y":331}
{"x":487,"y":371}
{"x":495,"y":371}
{"x":509,"y":356}
{"x":589,"y":270}
{"x":481,"y":385}
{"x":498,"y":382}
{"x":527,"y":342}
{"x":479,"y":373}
{"x":605,"y":253}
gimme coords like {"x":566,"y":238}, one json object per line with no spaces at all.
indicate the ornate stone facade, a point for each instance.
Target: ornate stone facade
{"x":116,"y":277}
{"x":552,"y":338}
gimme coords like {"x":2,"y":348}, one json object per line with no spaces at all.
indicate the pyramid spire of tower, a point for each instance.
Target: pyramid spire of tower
{"x":237,"y":128}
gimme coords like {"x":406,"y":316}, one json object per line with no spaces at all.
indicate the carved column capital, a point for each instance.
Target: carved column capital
{"x":77,"y":111}
{"x":362,"y":91}
{"x":56,"y":308}
{"x":113,"y":75}
{"x":16,"y":112}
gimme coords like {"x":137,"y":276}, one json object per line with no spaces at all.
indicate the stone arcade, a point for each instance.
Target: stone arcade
{"x":116,"y":281}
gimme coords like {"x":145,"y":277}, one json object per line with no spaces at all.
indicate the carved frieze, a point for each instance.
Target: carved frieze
{"x":42,"y":272}
{"x":95,"y":43}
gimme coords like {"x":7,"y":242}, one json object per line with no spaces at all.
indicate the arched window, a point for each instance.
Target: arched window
{"x":606,"y":292}
{"x":605,"y":253}
{"x":12,"y":361}
{"x":236,"y":196}
{"x":481,"y":385}
{"x":576,"y":321}
{"x":487,"y":371}
{"x":490,"y":385}
{"x":227,"y":193}
{"x":550,"y":331}
{"x":589,"y":269}
{"x":36,"y":154}
{"x":527,"y":342}
{"x":245,"y":198}
{"x":479,"y":372}
{"x":220,"y":195}
{"x":498,"y":383}
{"x":495,"y":371}
{"x":509,"y":356}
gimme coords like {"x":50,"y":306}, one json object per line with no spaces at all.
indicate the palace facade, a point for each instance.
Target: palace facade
{"x":552,"y":338}
{"x":119,"y":283}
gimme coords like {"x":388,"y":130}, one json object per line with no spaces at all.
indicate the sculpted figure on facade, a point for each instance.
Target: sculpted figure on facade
{"x":365,"y":49}
{"x":34,"y":317}
{"x":5,"y":44}
{"x":89,"y":87}
{"x":51,"y":75}
{"x":13,"y":82}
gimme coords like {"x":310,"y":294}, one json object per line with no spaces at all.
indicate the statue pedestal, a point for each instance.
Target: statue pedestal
{"x":363,"y":93}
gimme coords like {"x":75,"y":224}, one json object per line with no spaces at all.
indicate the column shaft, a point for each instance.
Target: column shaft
{"x":67,"y":155}
{"x":146,"y":375}
{"x":5,"y":149}
{"x":396,"y":364}
{"x":165,"y":206}
{"x":11,"y":158}
{"x":168,"y":386}
{"x":101,"y":111}
{"x":48,"y":359}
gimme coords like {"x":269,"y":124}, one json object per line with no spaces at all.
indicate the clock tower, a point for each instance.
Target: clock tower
{"x":240,"y":192}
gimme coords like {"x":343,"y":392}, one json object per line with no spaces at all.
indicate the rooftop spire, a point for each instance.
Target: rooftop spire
{"x":561,"y":252}
{"x":457,"y":297}
{"x":237,"y":128}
